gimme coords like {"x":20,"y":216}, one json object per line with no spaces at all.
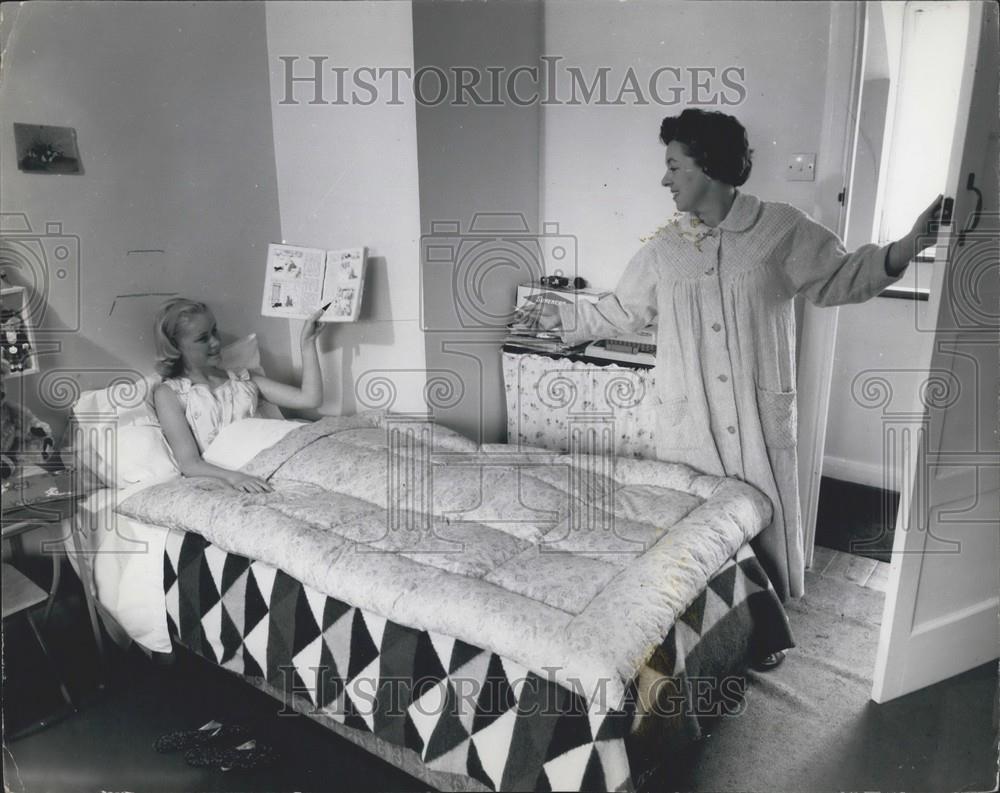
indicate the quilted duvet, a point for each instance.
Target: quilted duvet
{"x":573,"y":565}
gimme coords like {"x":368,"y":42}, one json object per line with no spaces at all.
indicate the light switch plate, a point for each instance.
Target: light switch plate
{"x":801,"y":168}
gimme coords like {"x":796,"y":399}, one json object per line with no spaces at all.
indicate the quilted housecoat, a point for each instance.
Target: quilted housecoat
{"x":722,"y":300}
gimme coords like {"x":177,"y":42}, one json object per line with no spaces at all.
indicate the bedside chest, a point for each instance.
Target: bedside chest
{"x":561,"y":402}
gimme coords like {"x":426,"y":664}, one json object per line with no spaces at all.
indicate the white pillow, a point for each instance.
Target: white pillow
{"x":143,"y":455}
{"x":101,"y":415}
{"x":123,"y":452}
{"x":128,"y":398}
{"x":239,"y":442}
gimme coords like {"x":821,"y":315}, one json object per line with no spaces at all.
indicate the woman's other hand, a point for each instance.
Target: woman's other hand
{"x":248,"y":484}
{"x":543,"y":315}
{"x":312,"y":327}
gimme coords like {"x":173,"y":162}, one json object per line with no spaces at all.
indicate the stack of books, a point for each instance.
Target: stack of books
{"x":531,"y":338}
{"x":527,"y":336}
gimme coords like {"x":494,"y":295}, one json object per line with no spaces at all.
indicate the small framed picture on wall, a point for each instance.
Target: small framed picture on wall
{"x":45,"y":149}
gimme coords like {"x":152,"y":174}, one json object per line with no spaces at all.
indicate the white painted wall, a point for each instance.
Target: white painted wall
{"x":602,"y":165}
{"x":171,"y":107}
{"x":872,"y":338}
{"x":347,"y":176}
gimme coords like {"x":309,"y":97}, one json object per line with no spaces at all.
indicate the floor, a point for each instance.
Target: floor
{"x":106,"y":745}
{"x":859,"y":570}
{"x":810,"y":724}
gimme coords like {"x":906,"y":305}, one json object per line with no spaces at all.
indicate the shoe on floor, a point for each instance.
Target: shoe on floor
{"x":213,"y":731}
{"x":769,"y":662}
{"x":247,"y":755}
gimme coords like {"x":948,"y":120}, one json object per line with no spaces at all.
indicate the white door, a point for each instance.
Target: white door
{"x":942,"y":603}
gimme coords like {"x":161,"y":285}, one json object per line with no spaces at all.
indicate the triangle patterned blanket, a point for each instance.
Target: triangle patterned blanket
{"x":574,"y":565}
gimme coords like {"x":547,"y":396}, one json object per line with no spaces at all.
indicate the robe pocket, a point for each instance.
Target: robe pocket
{"x":778,"y":417}
{"x":674,"y":429}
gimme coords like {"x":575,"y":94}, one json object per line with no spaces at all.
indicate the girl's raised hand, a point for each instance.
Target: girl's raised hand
{"x":312,"y":327}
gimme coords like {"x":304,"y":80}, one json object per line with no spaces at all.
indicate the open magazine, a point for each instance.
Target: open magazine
{"x":301,"y":280}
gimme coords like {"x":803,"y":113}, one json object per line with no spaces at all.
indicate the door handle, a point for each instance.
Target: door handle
{"x":947,"y":209}
{"x":944,"y":216}
{"x":973,"y":221}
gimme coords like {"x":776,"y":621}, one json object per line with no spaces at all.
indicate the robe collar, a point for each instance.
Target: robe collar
{"x":742,"y":214}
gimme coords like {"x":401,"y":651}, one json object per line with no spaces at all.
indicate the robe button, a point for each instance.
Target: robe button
{"x":723,"y":378}
{"x":731,"y":429}
{"x":716,"y":327}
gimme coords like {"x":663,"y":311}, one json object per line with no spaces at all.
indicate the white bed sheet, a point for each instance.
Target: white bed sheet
{"x":127,"y":555}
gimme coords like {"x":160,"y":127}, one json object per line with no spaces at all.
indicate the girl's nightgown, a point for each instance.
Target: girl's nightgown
{"x":210,"y":409}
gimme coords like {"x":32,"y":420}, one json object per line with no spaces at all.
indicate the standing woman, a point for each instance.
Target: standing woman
{"x":719,"y":280}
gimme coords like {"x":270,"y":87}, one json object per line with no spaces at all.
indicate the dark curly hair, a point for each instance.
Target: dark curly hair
{"x":717,"y":143}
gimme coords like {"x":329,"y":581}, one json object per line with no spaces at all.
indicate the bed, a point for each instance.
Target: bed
{"x":482,"y":617}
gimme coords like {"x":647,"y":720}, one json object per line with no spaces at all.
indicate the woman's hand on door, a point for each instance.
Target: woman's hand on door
{"x":923,"y":235}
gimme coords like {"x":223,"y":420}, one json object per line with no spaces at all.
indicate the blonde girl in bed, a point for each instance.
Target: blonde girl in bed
{"x":197,"y":397}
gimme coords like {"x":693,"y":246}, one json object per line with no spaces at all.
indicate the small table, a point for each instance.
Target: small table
{"x":34,"y":501}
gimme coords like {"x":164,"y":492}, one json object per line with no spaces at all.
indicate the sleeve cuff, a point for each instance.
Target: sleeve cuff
{"x":887,"y":280}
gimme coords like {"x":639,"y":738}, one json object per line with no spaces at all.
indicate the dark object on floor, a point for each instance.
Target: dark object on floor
{"x":856,"y":518}
{"x":212,"y":733}
{"x":772,"y":661}
{"x":225,"y":758}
